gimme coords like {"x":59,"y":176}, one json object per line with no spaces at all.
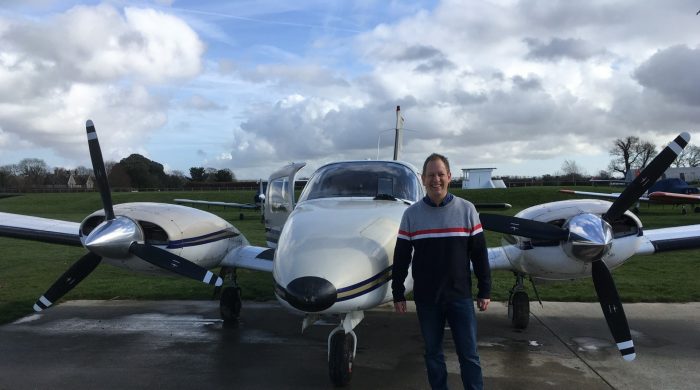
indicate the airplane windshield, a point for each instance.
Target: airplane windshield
{"x":363,"y":179}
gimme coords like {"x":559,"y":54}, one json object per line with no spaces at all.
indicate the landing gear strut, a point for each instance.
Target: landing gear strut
{"x":230,"y":301}
{"x":341,"y":352}
{"x":519,"y":304}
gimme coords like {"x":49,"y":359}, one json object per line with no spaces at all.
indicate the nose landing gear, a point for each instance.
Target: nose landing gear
{"x":341,"y":353}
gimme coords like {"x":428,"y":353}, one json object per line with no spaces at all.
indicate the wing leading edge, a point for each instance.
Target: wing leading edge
{"x":39,"y":229}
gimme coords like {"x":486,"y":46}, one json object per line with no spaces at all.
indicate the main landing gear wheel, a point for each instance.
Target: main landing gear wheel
{"x":230,"y":306}
{"x":340,"y":356}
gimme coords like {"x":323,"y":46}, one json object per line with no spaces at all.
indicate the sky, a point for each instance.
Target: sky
{"x":520,"y":86}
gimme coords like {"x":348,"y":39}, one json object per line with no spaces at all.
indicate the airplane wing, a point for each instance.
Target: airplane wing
{"x":39,"y":229}
{"x":601,"y":195}
{"x":674,"y":198}
{"x":670,"y":239}
{"x":214,"y":203}
{"x":257,"y":258}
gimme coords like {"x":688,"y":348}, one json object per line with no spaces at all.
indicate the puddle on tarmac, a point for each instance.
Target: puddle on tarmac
{"x":179,"y":326}
{"x":510,"y":344}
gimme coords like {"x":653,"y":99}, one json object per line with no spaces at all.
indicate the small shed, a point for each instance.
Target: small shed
{"x":473,"y":178}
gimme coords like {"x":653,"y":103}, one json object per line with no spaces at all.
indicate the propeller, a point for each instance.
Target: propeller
{"x":522,"y":227}
{"x":117,"y":237}
{"x":98,"y":168}
{"x":589,"y":237}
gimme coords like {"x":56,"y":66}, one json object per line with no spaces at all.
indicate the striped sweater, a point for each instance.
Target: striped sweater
{"x":440,"y":241}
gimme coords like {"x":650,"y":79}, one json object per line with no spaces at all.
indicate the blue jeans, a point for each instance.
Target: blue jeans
{"x":460,"y":315}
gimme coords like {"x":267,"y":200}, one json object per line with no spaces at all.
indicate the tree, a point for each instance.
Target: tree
{"x":143,"y":172}
{"x":118,"y":177}
{"x":83,"y":171}
{"x":34,"y":170}
{"x":7,"y":176}
{"x":109,"y":165}
{"x":59,"y":177}
{"x":647,"y":152}
{"x":176,"y":179}
{"x":210,"y":174}
{"x":630,"y":153}
{"x":689,"y":157}
{"x":572,"y":170}
{"x":197,"y":174}
{"x":224,"y":175}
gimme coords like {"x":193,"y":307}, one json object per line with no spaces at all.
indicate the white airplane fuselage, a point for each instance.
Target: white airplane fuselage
{"x":346,"y":241}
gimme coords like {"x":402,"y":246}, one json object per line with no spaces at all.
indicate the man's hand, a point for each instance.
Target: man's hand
{"x":483,"y":303}
{"x":400,"y":307}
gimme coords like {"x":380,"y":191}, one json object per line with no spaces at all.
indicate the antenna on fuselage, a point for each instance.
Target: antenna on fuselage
{"x":397,"y":137}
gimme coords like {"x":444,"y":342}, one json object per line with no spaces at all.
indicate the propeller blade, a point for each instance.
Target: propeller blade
{"x":76,"y":273}
{"x":647,"y":177}
{"x":612,"y":309}
{"x":98,"y":167}
{"x":522,"y":227}
{"x":171,"y":262}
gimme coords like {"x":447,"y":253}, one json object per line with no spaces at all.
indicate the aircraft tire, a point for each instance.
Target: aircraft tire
{"x":230,"y":306}
{"x":521,"y":309}
{"x":340,"y":359}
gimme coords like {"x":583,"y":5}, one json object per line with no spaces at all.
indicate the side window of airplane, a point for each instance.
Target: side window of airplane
{"x":280,"y":198}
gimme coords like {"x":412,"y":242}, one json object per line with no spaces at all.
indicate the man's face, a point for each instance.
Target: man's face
{"x":436,"y":180}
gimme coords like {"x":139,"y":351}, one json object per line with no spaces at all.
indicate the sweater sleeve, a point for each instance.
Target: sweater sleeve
{"x":479,"y":256}
{"x":402,"y":259}
{"x":480,"y":263}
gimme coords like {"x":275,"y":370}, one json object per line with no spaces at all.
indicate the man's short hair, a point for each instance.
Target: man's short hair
{"x":436,"y":156}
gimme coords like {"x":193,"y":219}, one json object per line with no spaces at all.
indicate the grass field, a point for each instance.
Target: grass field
{"x":28,"y":268}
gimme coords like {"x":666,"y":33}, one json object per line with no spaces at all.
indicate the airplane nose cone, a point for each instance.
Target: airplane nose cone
{"x":310,"y":294}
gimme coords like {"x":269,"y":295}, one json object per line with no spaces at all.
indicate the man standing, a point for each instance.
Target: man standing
{"x":440,"y":234}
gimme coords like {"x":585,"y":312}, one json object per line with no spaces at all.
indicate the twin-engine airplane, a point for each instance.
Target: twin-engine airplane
{"x":334,"y":250}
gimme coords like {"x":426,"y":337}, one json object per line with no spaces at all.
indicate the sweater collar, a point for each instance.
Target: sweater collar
{"x":444,"y":202}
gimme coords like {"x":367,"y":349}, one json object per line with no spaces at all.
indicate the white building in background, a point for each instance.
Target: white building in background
{"x":473,"y":178}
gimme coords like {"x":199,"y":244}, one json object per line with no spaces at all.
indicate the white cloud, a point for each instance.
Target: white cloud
{"x":91,"y":63}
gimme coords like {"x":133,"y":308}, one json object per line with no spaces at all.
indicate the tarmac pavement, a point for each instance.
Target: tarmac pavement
{"x":183,"y":345}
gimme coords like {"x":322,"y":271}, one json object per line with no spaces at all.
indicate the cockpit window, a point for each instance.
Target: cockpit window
{"x":363,"y":179}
